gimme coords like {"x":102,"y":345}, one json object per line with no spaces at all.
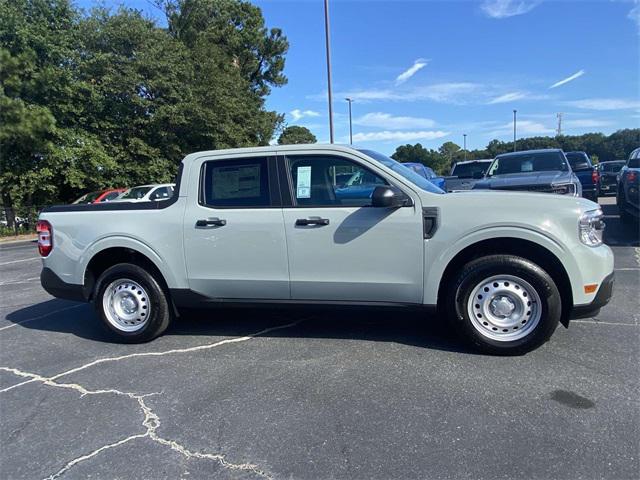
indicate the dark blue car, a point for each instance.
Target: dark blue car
{"x":427,"y":173}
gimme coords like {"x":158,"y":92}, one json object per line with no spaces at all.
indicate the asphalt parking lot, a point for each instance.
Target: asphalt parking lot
{"x":313,"y":394}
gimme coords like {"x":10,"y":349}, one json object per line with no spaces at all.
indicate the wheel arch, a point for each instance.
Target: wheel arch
{"x":108,"y":256}
{"x":528,"y":249}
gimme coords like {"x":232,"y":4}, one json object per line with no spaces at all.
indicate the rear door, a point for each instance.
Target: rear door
{"x":234,"y":238}
{"x":340,"y":247}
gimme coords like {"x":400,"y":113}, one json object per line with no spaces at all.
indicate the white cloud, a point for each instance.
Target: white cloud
{"x":391,"y":122}
{"x":604,"y":104}
{"x":298,"y":114}
{"x":456,"y":93}
{"x":524,"y":127}
{"x":418,"y":65}
{"x":585,"y":123}
{"x":402,"y":136}
{"x":507,"y":97}
{"x":634,"y":14}
{"x":507,"y":8}
{"x":570,"y":78}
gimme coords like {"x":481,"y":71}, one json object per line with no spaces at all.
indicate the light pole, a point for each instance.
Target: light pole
{"x":465,"y":145}
{"x":350,"y":124}
{"x":514,"y":129}
{"x":328,"y":46}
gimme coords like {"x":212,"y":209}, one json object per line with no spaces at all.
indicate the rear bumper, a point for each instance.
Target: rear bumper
{"x":601,"y":299}
{"x":55,"y":286}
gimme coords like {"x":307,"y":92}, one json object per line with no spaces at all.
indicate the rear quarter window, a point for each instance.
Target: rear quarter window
{"x":238,"y":183}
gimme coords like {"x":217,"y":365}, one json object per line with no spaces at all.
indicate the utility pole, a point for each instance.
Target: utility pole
{"x":350,"y":124}
{"x":465,"y":145}
{"x":559,"y":131}
{"x":328,"y":47}
{"x":514,"y":129}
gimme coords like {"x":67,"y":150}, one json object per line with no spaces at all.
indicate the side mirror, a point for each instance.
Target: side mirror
{"x":384,"y":196}
{"x":477,"y":175}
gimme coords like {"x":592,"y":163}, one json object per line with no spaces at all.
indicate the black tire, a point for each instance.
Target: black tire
{"x":473,"y":273}
{"x":160,"y":309}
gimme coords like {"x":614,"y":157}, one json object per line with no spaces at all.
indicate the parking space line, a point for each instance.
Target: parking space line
{"x":18,"y":261}
{"x":627,"y":269}
{"x":197,"y":348}
{"x":597,"y":322}
{"x":6,"y":327}
{"x":17,"y":282}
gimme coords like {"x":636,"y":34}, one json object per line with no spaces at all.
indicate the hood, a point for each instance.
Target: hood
{"x":522,"y":201}
{"x":515,"y":180}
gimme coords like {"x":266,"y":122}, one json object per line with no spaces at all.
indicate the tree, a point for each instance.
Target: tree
{"x":417,"y":153}
{"x":113,"y":99}
{"x":296,"y":135}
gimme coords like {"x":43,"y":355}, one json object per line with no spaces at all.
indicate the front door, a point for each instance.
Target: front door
{"x":234,"y":240}
{"x":340,"y":247}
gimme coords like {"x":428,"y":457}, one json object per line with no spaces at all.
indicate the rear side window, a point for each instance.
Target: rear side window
{"x":110,"y":196}
{"x":241,"y":183}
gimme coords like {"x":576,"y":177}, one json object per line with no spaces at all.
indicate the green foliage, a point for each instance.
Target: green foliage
{"x":296,"y":135}
{"x":600,"y":147}
{"x":112,"y":99}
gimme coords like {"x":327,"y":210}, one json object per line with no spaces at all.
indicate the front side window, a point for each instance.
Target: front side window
{"x":236,"y":183}
{"x":136,"y":193}
{"x":110,"y":196}
{"x":324,"y":181}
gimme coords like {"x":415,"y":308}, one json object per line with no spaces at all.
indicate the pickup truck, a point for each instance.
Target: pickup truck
{"x":627,"y":197}
{"x":464,"y":175}
{"x":264,"y":226}
{"x":587,"y":174}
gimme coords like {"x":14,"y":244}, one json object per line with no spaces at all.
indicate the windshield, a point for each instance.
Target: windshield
{"x":611,"y":167}
{"x":136,"y":193}
{"x":467,"y":170}
{"x":88,"y":198}
{"x":528,"y":163}
{"x":407,"y":173}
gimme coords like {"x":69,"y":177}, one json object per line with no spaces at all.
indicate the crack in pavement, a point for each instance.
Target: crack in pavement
{"x":151,"y":421}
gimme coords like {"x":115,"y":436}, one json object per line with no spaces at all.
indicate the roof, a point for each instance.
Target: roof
{"x":277,"y":148}
{"x":464,"y":162}
{"x":529,"y":152}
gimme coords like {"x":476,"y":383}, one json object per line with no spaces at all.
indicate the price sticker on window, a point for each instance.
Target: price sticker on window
{"x":303,"y":184}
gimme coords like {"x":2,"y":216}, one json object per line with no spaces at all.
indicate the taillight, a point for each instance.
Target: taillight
{"x":595,"y":176}
{"x":45,"y":237}
{"x":631,"y":175}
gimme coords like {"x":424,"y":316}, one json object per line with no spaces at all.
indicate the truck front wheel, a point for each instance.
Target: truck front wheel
{"x":132,"y":304}
{"x":504,"y":304}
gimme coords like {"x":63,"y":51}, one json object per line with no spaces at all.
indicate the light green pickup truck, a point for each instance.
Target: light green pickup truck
{"x":324,"y":224}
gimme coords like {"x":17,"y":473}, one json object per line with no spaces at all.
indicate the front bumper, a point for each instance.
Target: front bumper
{"x":601,"y":299}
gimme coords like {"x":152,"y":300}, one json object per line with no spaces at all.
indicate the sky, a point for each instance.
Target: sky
{"x":431,"y":71}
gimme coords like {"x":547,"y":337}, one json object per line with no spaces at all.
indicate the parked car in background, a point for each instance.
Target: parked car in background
{"x":427,"y":173}
{"x":608,"y":172}
{"x":100,"y":196}
{"x":253,"y":227}
{"x":464,"y":175}
{"x":628,"y":184}
{"x":545,"y":171}
{"x":587,"y":174}
{"x":146,"y":193}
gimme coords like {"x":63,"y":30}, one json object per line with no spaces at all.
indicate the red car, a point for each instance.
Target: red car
{"x":100,"y":196}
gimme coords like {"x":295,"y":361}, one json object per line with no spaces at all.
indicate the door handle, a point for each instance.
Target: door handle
{"x":211,"y":222}
{"x":303,"y":222}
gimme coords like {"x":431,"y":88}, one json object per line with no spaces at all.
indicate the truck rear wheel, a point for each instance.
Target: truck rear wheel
{"x":504,"y":304}
{"x":132,"y":304}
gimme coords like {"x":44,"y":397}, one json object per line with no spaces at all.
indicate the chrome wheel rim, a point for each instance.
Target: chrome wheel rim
{"x":126,"y":305}
{"x":504,"y":308}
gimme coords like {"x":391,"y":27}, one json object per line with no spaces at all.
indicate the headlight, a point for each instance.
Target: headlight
{"x":591,"y":227}
{"x":564,"y":188}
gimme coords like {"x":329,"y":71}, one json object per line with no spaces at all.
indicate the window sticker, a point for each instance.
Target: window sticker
{"x":236,"y":182}
{"x":303,"y":187}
